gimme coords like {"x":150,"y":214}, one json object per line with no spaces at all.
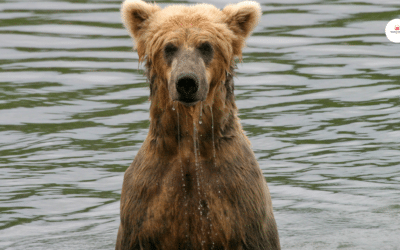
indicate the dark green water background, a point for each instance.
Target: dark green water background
{"x":318,"y":93}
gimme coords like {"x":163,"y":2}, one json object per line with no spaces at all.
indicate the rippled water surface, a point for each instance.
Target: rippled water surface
{"x":318,"y":93}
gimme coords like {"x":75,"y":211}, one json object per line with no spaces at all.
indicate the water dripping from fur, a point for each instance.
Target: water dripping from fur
{"x":201,"y":206}
{"x":201,"y":112}
{"x":183,"y":176}
{"x":215,"y":162}
{"x":187,"y":126}
{"x":212,"y":132}
{"x":224,"y":100}
{"x":198,"y":171}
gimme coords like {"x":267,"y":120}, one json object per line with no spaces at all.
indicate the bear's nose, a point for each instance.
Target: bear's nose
{"x":187,"y":86}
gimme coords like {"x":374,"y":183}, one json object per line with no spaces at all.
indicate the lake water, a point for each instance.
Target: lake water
{"x":318,"y":94}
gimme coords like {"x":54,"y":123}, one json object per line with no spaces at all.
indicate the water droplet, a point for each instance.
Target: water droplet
{"x":201,"y":112}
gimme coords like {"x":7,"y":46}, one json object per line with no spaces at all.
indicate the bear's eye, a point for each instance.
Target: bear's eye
{"x":205,"y":48}
{"x":206,"y":51}
{"x":170,"y":50}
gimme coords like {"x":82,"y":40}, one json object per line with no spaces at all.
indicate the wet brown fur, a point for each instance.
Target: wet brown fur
{"x":173,"y":198}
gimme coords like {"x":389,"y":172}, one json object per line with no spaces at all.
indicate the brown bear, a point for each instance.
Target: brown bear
{"x":195,"y":182}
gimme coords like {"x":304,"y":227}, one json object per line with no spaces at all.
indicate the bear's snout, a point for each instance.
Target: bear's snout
{"x":187,"y":87}
{"x":188,"y":83}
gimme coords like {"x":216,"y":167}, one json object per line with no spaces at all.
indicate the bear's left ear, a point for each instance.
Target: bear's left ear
{"x":243,"y":17}
{"x":134,"y":14}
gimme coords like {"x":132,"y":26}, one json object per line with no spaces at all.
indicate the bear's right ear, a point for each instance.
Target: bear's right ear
{"x":134,"y":13}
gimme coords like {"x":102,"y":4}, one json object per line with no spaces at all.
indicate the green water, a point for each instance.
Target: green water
{"x":318,"y":94}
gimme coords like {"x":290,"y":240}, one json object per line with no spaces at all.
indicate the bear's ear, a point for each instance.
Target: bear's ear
{"x":243,"y":17}
{"x":134,"y":13}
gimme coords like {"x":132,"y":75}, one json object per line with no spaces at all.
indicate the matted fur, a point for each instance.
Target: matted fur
{"x":194,"y":185}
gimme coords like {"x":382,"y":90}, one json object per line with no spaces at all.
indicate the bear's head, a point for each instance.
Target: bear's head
{"x":190,"y":50}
